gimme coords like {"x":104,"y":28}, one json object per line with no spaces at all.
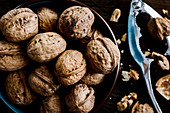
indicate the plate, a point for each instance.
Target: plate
{"x":102,"y":91}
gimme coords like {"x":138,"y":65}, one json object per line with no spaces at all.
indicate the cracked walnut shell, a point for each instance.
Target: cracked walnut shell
{"x":75,"y":22}
{"x":80,"y":99}
{"x":18,"y":89}
{"x":159,"y":27}
{"x":47,"y":18}
{"x":44,"y":47}
{"x":42,"y":82}
{"x":102,"y":55}
{"x":19,"y":24}
{"x":70,"y":67}
{"x":12,"y":56}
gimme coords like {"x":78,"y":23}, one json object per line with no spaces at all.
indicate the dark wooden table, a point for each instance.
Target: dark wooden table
{"x":105,"y":8}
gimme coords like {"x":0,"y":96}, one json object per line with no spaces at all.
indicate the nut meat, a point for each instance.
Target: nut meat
{"x":12,"y":56}
{"x":102,"y":55}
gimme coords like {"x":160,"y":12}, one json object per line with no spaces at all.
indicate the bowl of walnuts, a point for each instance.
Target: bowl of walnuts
{"x":56,"y":56}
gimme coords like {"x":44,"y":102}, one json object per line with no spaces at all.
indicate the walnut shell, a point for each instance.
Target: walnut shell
{"x":80,"y":99}
{"x":47,"y":18}
{"x":52,"y":104}
{"x":19,"y":24}
{"x":70,"y":67}
{"x":92,"y":78}
{"x":75,"y":22}
{"x":12,"y":56}
{"x":159,"y":27}
{"x":18,"y":89}
{"x":44,"y":47}
{"x":42,"y":82}
{"x":102,"y":55}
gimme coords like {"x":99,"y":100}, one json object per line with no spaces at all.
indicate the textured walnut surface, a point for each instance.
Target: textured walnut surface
{"x":75,"y":22}
{"x":103,"y":55}
{"x":45,"y":47}
{"x":81,"y":99}
{"x":12,"y":56}
{"x":92,"y":78}
{"x":47,"y":18}
{"x":19,"y":24}
{"x":70,"y":67}
{"x":52,"y":104}
{"x":42,"y":82}
{"x":17,"y":88}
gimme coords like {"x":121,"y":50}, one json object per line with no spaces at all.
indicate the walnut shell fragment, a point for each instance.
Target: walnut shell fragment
{"x":75,"y":22}
{"x":42,"y":82}
{"x":44,"y":47}
{"x":115,"y":15}
{"x":52,"y":104}
{"x":18,"y":89}
{"x":142,"y":108}
{"x":162,"y":60}
{"x":102,"y":55}
{"x":159,"y":27}
{"x":12,"y":56}
{"x":80,"y":99}
{"x":47,"y":18}
{"x":19,"y":24}
{"x":163,"y":86}
{"x":70,"y":67}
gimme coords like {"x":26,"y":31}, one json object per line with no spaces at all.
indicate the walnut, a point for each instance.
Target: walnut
{"x":70,"y":67}
{"x":159,"y":27}
{"x":52,"y":104}
{"x":163,"y":86}
{"x":19,"y":24}
{"x":18,"y":89}
{"x":162,"y":60}
{"x":47,"y":18}
{"x":134,"y":74}
{"x":142,"y":108}
{"x":42,"y":82}
{"x":124,"y":37}
{"x":92,"y":78}
{"x":165,"y":12}
{"x":102,"y":55}
{"x":115,"y":15}
{"x":75,"y":22}
{"x":80,"y":99}
{"x":126,"y":101}
{"x":12,"y":56}
{"x":44,"y":47}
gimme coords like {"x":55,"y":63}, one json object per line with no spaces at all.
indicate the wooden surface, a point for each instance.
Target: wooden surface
{"x":105,"y":8}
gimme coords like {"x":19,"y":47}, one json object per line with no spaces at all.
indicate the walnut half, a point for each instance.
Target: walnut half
{"x":162,"y":60}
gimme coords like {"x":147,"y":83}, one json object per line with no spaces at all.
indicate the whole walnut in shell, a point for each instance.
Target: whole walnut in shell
{"x":44,"y":47}
{"x":47,"y":18}
{"x":102,"y":55}
{"x":75,"y":22}
{"x":18,"y":89}
{"x":70,"y":67}
{"x":42,"y":82}
{"x":159,"y":27}
{"x":19,"y":24}
{"x":80,"y":99}
{"x":52,"y":104}
{"x":12,"y":56}
{"x":92,"y":78}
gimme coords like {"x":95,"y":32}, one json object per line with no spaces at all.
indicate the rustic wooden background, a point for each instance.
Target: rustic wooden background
{"x":105,"y":8}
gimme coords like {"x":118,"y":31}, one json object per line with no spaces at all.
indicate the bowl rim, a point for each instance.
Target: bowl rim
{"x":12,"y":109}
